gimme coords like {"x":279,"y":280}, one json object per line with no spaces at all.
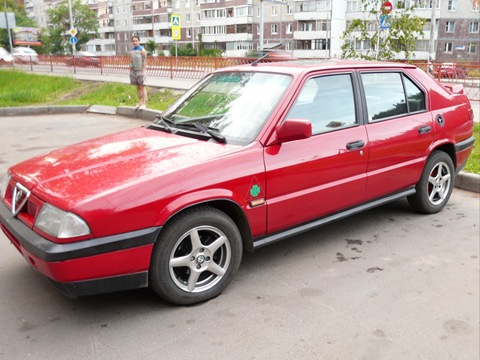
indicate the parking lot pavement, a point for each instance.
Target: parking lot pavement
{"x":384,"y":284}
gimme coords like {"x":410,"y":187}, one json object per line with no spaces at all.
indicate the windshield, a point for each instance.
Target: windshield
{"x":234,"y":104}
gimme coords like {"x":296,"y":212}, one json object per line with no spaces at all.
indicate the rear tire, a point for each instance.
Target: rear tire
{"x":196,"y":256}
{"x":435,"y":185}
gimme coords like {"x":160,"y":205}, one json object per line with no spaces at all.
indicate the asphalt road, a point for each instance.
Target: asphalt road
{"x":385,"y":284}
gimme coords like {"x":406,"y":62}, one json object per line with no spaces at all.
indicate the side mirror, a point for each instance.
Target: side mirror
{"x":293,"y":129}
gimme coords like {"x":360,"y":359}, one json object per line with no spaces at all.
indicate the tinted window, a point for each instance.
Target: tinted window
{"x":384,"y":94}
{"x":327,"y":101}
{"x":387,"y":95}
{"x":415,"y":96}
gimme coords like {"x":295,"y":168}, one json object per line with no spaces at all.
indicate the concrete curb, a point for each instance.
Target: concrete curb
{"x":463,"y":180}
{"x":468,"y":181}
{"x":42,"y":110}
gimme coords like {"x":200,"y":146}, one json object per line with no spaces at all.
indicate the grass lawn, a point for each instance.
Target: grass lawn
{"x":21,"y":89}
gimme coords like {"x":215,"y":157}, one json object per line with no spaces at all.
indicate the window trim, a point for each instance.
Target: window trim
{"x":403,"y":75}
{"x":357,"y":97}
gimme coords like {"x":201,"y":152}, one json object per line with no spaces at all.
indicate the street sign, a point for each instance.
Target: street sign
{"x":72,"y":32}
{"x":387,"y":7}
{"x":73,"y":40}
{"x":384,"y":22}
{"x":176,"y":30}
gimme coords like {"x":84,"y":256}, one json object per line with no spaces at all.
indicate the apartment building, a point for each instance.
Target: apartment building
{"x":307,"y":28}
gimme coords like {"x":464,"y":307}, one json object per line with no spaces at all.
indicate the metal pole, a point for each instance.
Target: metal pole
{"x":74,"y":46}
{"x":9,"y":33}
{"x":433,"y":21}
{"x":261,"y":26}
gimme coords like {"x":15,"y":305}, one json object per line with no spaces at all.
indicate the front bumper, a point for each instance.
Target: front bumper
{"x":88,"y":267}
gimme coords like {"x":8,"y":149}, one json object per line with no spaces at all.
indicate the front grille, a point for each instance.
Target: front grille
{"x":26,"y":208}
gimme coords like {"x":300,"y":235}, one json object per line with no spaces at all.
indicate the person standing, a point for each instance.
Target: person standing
{"x":138,"y":67}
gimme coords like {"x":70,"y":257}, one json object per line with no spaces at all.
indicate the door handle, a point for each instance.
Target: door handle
{"x":355,"y":145}
{"x":424,"y":129}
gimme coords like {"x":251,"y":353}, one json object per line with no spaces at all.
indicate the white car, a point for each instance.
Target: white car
{"x":5,"y":57}
{"x":25,"y":55}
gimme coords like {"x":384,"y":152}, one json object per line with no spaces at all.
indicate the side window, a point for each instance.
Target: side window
{"x":327,"y":101}
{"x":384,"y":94}
{"x":391,"y":95}
{"x":415,"y":96}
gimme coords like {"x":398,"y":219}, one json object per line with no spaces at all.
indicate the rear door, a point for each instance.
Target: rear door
{"x":400,"y":131}
{"x":310,"y":178}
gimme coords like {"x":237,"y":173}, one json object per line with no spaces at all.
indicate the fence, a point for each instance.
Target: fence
{"x":194,"y":67}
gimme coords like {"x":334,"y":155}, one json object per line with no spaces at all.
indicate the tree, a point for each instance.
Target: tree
{"x":150,"y":46}
{"x":382,"y":44}
{"x":21,"y":19}
{"x":84,"y":21}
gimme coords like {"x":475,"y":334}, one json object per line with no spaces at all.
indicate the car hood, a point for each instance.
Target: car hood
{"x":77,"y":173}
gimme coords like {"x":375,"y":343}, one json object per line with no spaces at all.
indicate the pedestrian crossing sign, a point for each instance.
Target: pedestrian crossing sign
{"x":175,"y":19}
{"x":176,"y":33}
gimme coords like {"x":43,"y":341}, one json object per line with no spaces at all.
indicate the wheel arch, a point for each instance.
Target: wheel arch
{"x":449,"y":149}
{"x":232,"y":210}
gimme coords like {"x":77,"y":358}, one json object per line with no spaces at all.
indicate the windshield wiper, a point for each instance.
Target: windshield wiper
{"x":168,"y":125}
{"x":213,"y":133}
{"x":205,"y":129}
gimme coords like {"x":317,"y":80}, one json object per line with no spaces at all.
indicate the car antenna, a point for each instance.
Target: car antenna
{"x":255,"y":63}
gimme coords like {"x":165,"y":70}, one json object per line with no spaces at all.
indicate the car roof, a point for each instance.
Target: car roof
{"x":301,"y":66}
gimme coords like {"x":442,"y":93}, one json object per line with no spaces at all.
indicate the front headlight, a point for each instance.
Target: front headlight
{"x":60,"y":224}
{"x":3,"y":189}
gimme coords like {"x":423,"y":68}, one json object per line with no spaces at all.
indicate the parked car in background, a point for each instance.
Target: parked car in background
{"x":25,"y":55}
{"x":450,"y":71}
{"x":84,"y":59}
{"x":251,"y":155}
{"x":5,"y":57}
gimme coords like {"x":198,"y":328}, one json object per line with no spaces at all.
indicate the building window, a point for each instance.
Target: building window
{"x":422,"y":45}
{"x":472,"y":48}
{"x":473,"y":28}
{"x":289,"y":28}
{"x":452,"y":5}
{"x":305,"y":26}
{"x":274,"y":11}
{"x":188,"y":17}
{"x":274,"y":28}
{"x":289,"y":10}
{"x":448,"y":47}
{"x":450,"y":27}
{"x":189,"y":33}
{"x":353,"y":5}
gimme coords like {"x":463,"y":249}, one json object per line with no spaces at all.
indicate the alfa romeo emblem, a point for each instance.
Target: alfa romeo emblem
{"x":19,"y":198}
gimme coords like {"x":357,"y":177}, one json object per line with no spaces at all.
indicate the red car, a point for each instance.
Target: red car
{"x":249,"y":156}
{"x":449,"y":71}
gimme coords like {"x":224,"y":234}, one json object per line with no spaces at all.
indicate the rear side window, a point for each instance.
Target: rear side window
{"x":391,"y":95}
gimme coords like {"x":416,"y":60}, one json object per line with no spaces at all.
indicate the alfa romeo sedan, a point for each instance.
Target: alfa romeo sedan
{"x":249,"y":156}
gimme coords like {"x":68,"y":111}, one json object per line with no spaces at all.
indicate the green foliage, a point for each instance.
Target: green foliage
{"x":473,"y":163}
{"x":150,"y":47}
{"x":211,"y":52}
{"x":388,"y":44}
{"x":84,"y":21}
{"x":188,"y":50}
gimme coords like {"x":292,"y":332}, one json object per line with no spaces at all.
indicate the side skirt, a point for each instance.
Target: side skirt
{"x":330,"y":218}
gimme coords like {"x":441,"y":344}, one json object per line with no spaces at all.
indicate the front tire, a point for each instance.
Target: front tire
{"x":196,"y":256}
{"x":435,"y":185}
